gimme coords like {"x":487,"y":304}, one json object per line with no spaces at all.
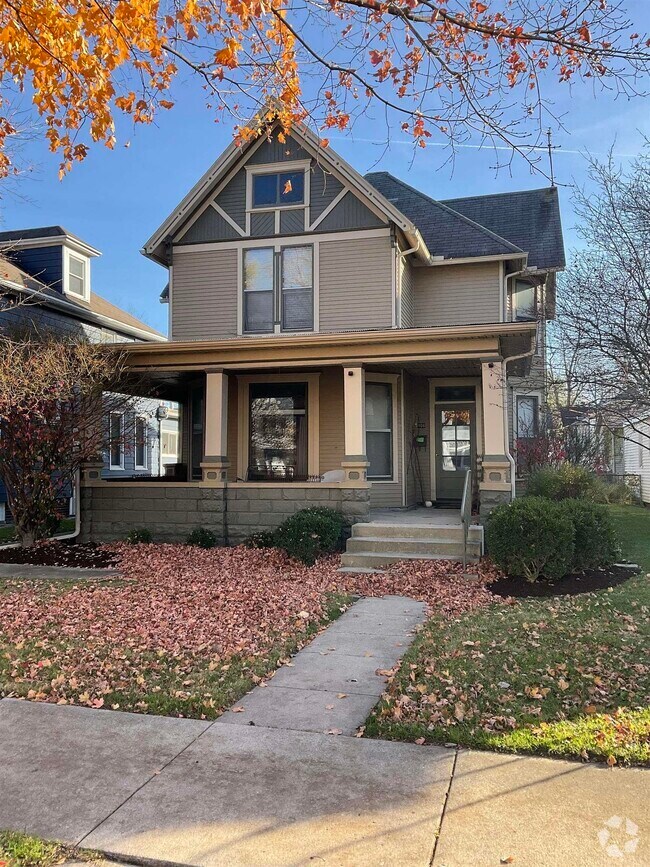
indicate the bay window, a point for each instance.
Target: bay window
{"x":379,"y":430}
{"x":278,"y":289}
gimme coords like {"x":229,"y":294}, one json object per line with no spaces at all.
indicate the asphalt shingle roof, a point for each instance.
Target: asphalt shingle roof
{"x":524,"y":221}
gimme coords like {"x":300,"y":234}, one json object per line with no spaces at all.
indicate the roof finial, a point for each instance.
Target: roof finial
{"x":549,"y":138}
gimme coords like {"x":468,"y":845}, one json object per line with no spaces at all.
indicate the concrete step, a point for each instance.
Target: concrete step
{"x":416,"y":547}
{"x":376,"y":561}
{"x":416,"y":531}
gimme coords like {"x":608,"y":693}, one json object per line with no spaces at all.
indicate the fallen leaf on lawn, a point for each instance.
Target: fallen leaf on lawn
{"x":335,"y":732}
{"x":384,"y":672}
{"x":508,"y":859}
{"x":238,"y":709}
{"x":459,"y":711}
{"x":360,"y":732}
{"x":342,"y":695}
{"x":420,"y":741}
{"x":563,"y":684}
{"x":611,"y":761}
{"x":591,"y":708}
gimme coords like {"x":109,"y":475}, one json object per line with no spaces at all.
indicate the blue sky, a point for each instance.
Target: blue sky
{"x":116,"y":199}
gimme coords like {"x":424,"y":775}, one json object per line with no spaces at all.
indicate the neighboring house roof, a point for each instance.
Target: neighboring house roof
{"x":97,"y":311}
{"x":447,"y":233}
{"x":44,"y":234}
{"x":525,"y":221}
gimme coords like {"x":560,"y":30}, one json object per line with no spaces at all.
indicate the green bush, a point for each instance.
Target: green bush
{"x":265,"y":539}
{"x":613,"y":493}
{"x":138,"y":535}
{"x":201,"y":538}
{"x":310,"y":533}
{"x":594,"y":538}
{"x":531,"y":537}
{"x":567,"y":482}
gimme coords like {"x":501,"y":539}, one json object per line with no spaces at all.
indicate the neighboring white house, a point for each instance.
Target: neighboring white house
{"x":636,"y":453}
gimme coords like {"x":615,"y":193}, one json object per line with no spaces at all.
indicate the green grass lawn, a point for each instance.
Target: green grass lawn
{"x":566,"y":676}
{"x":8,"y":534}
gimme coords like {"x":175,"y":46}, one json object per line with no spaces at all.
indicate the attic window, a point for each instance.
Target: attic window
{"x":278,"y":188}
{"x":77,"y":276}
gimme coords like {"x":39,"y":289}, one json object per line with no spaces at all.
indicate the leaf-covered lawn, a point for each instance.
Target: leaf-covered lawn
{"x":567,"y":676}
{"x":187,"y":631}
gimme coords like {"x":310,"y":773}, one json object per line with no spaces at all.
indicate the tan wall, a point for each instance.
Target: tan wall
{"x":331,"y":423}
{"x":204,"y":295}
{"x":457,"y":294}
{"x":233,"y":427}
{"x":356,"y":284}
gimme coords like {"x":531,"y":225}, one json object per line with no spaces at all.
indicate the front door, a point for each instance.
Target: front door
{"x":455,"y":449}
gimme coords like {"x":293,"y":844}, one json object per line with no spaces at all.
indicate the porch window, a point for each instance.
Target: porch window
{"x":275,"y":189}
{"x":527,"y":416}
{"x":140,"y":443}
{"x":278,"y":431}
{"x":524,"y":301}
{"x":379,"y":430}
{"x":116,"y":441}
{"x":278,"y":289}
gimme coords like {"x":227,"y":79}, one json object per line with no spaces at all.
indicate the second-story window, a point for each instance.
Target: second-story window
{"x":275,"y":189}
{"x":524,"y":301}
{"x":77,"y":276}
{"x":278,"y":289}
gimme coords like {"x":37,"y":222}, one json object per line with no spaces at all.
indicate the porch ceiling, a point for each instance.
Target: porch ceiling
{"x":433,"y":367}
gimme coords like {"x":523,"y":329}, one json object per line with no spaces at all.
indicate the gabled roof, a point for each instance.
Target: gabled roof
{"x":43,"y":236}
{"x":96,"y":310}
{"x":446,"y":232}
{"x":154,"y":247}
{"x":528,"y":218}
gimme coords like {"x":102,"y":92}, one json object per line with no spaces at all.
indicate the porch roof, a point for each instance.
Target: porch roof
{"x":399,"y":346}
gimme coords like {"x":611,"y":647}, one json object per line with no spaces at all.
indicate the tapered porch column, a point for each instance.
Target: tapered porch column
{"x":494,"y":486}
{"x":355,"y":462}
{"x":215,"y":462}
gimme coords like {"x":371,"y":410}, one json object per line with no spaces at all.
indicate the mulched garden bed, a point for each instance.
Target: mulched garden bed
{"x":570,"y":585}
{"x":87,"y":556}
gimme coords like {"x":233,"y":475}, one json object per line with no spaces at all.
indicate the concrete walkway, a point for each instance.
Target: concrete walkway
{"x":54,"y":573}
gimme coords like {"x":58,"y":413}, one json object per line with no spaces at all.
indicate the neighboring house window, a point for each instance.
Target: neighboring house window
{"x":278,"y":431}
{"x":527,"y":416}
{"x":524,"y":301}
{"x":76,"y":276}
{"x":116,"y":441}
{"x":140,"y":443}
{"x":379,"y":430}
{"x":275,"y":189}
{"x":169,"y":444}
{"x":278,"y":284}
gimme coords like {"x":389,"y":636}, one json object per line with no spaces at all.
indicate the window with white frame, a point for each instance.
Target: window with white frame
{"x":140,"y":443}
{"x":379,"y":430}
{"x":278,"y":289}
{"x":116,"y":441}
{"x":169,"y":444}
{"x":76,"y":276}
{"x":527,"y":416}
{"x":524,"y":301}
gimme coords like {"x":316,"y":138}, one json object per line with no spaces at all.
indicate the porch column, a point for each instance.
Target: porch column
{"x":215,"y":462}
{"x":494,"y":486}
{"x":355,"y":462}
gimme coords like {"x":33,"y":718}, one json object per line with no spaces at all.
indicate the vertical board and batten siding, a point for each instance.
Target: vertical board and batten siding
{"x":457,"y":294}
{"x":208,"y":226}
{"x":350,"y":213}
{"x":324,"y":189}
{"x":232,"y":199}
{"x":636,"y":455}
{"x":355,"y":284}
{"x":204,"y":295}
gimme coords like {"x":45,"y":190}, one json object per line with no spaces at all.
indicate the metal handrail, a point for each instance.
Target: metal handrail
{"x":466,"y":513}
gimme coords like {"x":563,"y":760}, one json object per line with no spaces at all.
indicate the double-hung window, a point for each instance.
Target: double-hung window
{"x":116,"y":441}
{"x":278,"y":289}
{"x":140,"y":443}
{"x":379,"y":430}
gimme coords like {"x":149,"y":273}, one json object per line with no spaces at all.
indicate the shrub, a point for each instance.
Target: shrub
{"x":310,"y":533}
{"x":531,"y":537}
{"x":594,"y":537}
{"x":265,"y":539}
{"x":616,"y":493}
{"x":201,"y":538}
{"x":567,"y":482}
{"x":139,"y":535}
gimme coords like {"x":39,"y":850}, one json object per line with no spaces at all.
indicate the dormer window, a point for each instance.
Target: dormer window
{"x":76,"y":274}
{"x":277,"y":189}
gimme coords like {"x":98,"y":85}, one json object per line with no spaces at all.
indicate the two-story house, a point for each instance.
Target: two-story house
{"x":340,"y":340}
{"x":45,"y":288}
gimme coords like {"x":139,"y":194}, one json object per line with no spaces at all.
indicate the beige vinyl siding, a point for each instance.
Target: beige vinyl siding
{"x":457,"y":294}
{"x":406,"y":289}
{"x":331,"y":420}
{"x":355,"y":284}
{"x":204,"y":295}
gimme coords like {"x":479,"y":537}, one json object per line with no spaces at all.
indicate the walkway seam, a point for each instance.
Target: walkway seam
{"x":444,"y":807}
{"x":146,"y":783}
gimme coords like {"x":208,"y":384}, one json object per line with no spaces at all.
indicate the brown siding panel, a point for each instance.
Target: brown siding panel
{"x":204,"y":295}
{"x":355,"y":284}
{"x":408,"y":312}
{"x":331,"y":420}
{"x":457,"y":294}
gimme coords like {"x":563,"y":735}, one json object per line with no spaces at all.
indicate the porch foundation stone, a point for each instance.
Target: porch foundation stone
{"x":110,"y":510}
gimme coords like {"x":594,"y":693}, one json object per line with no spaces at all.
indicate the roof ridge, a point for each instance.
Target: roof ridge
{"x":457,"y":214}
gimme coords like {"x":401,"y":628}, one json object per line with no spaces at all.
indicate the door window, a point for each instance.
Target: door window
{"x":456,"y":439}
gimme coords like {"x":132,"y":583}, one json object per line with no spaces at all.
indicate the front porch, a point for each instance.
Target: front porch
{"x":359,"y":422}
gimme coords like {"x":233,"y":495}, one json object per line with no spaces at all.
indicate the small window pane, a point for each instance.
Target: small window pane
{"x":297,"y":292}
{"x":258,"y":270}
{"x":379,"y":430}
{"x":296,"y":267}
{"x":378,"y":406}
{"x":525,"y":306}
{"x":291,"y":188}
{"x":258,"y":311}
{"x":526,"y":416}
{"x":265,"y":190}
{"x":455,"y":392}
{"x":378,"y":446}
{"x":76,"y":275}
